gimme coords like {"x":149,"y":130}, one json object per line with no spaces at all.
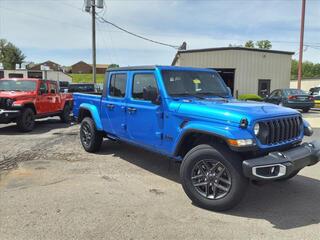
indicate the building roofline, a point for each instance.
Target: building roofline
{"x":235,"y":48}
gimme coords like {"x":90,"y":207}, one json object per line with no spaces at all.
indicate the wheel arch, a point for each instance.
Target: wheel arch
{"x":87,"y":110}
{"x":193,"y":137}
{"x":30,"y":105}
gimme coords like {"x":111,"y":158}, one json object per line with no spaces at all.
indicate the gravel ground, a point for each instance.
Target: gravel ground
{"x":58,"y":191}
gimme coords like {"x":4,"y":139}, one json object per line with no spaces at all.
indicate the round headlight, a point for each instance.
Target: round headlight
{"x":256,"y":128}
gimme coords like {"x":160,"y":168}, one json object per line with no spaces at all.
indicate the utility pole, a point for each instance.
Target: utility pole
{"x":93,"y":12}
{"x":91,"y":4}
{"x":303,"y":10}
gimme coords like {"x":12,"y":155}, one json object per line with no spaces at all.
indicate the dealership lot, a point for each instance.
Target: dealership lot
{"x":58,"y":191}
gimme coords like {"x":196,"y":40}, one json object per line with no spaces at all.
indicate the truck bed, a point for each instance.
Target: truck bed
{"x":85,"y":98}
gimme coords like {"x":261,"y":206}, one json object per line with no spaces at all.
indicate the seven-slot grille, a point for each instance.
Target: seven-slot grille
{"x":3,"y":103}
{"x":280,"y":130}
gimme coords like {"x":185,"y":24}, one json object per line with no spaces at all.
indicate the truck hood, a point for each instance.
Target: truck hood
{"x":233,"y":110}
{"x":15,"y":94}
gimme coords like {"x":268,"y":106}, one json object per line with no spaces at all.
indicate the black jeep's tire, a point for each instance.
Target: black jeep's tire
{"x":204,"y":191}
{"x":91,"y":138}
{"x":292,"y":175}
{"x":65,"y":116}
{"x":26,"y":121}
{"x":305,"y":110}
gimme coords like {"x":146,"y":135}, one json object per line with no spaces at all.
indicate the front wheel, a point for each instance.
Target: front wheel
{"x":212,"y":177}
{"x":91,"y":138}
{"x":26,"y":120}
{"x":305,"y":110}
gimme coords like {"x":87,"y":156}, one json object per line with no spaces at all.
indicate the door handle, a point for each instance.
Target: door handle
{"x":131,"y":109}
{"x":110,"y":106}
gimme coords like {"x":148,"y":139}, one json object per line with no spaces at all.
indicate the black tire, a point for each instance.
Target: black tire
{"x":26,"y":121}
{"x":305,"y":110}
{"x":90,"y":138}
{"x":65,"y":116}
{"x":292,"y":175}
{"x":219,"y":154}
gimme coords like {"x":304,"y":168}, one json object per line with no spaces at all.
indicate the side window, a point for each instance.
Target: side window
{"x":43,"y":87}
{"x":141,"y":83}
{"x":53,"y":88}
{"x":274,"y":94}
{"x":117,"y":85}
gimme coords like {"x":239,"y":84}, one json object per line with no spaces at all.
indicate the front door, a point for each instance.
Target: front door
{"x":43,"y":100}
{"x":55,"y":99}
{"x":144,"y":118}
{"x":264,"y":87}
{"x":113,"y":105}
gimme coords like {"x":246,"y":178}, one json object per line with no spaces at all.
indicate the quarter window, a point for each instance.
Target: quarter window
{"x":117,"y":86}
{"x":142,"y":82}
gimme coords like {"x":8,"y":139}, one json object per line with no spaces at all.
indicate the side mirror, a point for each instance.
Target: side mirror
{"x":229,"y":91}
{"x":151,"y":94}
{"x":42,"y":91}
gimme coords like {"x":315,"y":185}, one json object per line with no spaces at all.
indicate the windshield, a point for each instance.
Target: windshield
{"x":18,"y":85}
{"x":194,"y":83}
{"x":295,"y":92}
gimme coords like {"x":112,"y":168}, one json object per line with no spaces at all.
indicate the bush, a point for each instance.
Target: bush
{"x":252,"y":97}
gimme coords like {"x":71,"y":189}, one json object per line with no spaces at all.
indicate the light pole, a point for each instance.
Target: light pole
{"x":91,"y":4}
{"x":303,"y":10}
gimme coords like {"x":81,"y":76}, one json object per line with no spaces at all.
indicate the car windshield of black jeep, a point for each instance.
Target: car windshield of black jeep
{"x":18,"y":85}
{"x":194,"y":83}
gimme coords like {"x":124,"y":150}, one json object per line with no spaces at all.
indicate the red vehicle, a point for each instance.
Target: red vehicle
{"x":22,"y":100}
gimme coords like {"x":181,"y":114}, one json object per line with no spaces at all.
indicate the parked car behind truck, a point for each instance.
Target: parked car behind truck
{"x":189,"y":114}
{"x":292,"y":98}
{"x":22,"y":100}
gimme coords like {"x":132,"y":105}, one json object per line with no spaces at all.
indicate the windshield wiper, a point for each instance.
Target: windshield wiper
{"x":213,"y":94}
{"x":187,"y":94}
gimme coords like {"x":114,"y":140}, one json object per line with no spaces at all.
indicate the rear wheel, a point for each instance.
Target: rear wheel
{"x":305,"y":110}
{"x":65,"y":116}
{"x":91,"y":139}
{"x":26,"y":120}
{"x":212,"y":177}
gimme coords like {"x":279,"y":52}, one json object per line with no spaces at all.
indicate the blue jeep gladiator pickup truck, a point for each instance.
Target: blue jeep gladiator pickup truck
{"x":190,"y":115}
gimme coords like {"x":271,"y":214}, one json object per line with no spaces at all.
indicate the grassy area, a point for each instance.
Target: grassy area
{"x":86,"y":78}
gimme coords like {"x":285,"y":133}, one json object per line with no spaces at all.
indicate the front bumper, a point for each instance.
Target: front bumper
{"x":7,"y":116}
{"x":277,"y":165}
{"x":299,"y":105}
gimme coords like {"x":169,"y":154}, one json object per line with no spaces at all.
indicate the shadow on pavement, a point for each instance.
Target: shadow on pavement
{"x":42,"y":126}
{"x":286,"y":205}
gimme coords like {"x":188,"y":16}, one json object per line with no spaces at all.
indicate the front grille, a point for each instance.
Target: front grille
{"x":3,"y":104}
{"x":280,"y":130}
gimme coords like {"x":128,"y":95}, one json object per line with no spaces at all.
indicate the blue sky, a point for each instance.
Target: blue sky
{"x":60,"y":31}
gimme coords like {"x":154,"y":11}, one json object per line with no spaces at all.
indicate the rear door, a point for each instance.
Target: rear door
{"x":144,"y":118}
{"x":113,"y":104}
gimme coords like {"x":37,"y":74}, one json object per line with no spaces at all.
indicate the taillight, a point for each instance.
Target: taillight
{"x":311,"y":98}
{"x":292,"y":97}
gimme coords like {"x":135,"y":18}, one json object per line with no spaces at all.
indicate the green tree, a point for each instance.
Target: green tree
{"x":113,"y":65}
{"x":10,"y":55}
{"x":309,"y":69}
{"x":264,"y":44}
{"x":249,"y":44}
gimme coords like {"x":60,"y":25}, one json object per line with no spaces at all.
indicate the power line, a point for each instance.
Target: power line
{"x":101,"y":19}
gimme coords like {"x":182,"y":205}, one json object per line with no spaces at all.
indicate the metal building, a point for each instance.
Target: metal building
{"x":245,"y":70}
